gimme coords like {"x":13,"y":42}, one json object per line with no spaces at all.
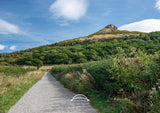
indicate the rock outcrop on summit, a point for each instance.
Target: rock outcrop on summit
{"x":109,"y":28}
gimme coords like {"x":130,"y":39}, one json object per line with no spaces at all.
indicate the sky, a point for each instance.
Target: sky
{"x":30,"y":23}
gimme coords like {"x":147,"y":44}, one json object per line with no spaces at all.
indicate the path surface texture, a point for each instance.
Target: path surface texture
{"x":49,"y":96}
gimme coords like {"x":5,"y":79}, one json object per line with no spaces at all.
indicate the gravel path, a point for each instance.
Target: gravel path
{"x":49,"y":96}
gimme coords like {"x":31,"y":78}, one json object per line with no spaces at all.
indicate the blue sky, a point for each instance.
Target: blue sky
{"x":31,"y":23}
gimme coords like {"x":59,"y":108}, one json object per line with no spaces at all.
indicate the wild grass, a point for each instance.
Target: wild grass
{"x":156,"y":103}
{"x":14,"y":70}
{"x":114,"y":86}
{"x":43,"y":68}
{"x":14,"y":84}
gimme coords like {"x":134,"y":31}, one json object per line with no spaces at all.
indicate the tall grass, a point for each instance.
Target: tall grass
{"x":14,"y":70}
{"x":14,"y":82}
{"x":124,"y":84}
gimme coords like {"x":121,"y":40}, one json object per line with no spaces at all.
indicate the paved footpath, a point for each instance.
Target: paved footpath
{"x":49,"y":96}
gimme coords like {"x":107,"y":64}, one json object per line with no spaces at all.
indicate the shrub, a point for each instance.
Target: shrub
{"x":38,"y":63}
{"x":102,"y":72}
{"x":127,"y":106}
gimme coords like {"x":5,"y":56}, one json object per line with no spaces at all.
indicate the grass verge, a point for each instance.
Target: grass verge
{"x":14,"y":85}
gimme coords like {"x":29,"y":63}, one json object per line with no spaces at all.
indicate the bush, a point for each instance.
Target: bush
{"x":38,"y":63}
{"x":102,"y":72}
{"x":128,"y":106}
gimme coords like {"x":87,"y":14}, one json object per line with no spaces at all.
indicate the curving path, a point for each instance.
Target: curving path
{"x":49,"y":96}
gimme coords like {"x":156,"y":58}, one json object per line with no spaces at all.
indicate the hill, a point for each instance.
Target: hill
{"x":108,"y":42}
{"x":118,"y":70}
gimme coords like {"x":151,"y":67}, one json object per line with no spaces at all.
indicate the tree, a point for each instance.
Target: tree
{"x":38,"y":63}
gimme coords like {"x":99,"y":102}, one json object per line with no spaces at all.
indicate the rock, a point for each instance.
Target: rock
{"x":109,"y":28}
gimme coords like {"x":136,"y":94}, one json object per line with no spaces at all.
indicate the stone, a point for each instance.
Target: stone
{"x":109,"y":28}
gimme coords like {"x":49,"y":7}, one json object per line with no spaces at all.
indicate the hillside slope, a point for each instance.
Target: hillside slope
{"x":94,"y":47}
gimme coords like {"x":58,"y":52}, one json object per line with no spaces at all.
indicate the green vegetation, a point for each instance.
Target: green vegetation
{"x":76,"y":51}
{"x":116,"y":84}
{"x":14,"y":82}
{"x":38,"y":63}
{"x":14,"y":70}
{"x":119,"y":73}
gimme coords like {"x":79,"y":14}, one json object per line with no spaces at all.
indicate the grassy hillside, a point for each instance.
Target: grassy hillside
{"x":94,"y":47}
{"x":116,"y":85}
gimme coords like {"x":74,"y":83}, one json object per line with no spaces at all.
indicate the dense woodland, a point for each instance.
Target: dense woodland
{"x":75,"y":51}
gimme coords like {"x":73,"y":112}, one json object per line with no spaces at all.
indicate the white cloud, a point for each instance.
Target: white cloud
{"x":2,"y":47}
{"x":147,"y":25}
{"x":8,"y":28}
{"x":12,"y":48}
{"x":69,"y":9}
{"x":157,"y":5}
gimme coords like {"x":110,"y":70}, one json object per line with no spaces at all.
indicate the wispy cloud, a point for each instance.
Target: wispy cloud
{"x":147,"y":25}
{"x":69,"y":9}
{"x":106,"y":13}
{"x":12,"y":48}
{"x":2,"y":47}
{"x":64,"y":24}
{"x":157,"y":5}
{"x":8,"y":28}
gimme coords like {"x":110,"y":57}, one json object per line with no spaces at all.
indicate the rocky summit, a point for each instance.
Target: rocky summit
{"x":109,"y":28}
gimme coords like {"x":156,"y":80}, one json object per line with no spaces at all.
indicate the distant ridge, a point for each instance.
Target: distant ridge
{"x":108,"y":28}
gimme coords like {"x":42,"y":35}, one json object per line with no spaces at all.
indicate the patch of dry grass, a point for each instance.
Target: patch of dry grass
{"x":1,"y":78}
{"x":12,"y":88}
{"x":23,"y":79}
{"x":105,"y":36}
{"x":46,"y":68}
